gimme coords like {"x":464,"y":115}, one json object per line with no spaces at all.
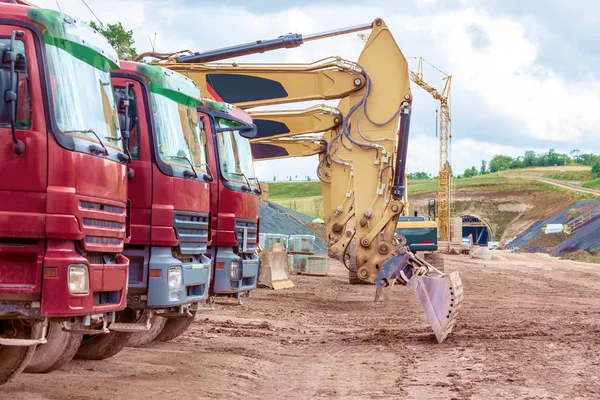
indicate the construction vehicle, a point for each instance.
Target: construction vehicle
{"x":234,"y":197}
{"x":63,"y":188}
{"x":234,"y":194}
{"x":169,"y":201}
{"x":362,"y":163}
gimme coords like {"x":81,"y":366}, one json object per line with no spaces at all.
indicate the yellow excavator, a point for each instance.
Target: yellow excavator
{"x":362,"y":150}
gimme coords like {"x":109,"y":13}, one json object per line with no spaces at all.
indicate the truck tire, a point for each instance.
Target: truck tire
{"x":14,"y":359}
{"x":59,"y":350}
{"x":174,"y":328}
{"x":435,"y":259}
{"x":138,"y":339}
{"x":102,"y":346}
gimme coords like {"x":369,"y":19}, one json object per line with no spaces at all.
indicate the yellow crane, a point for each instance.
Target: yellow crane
{"x":445,"y":171}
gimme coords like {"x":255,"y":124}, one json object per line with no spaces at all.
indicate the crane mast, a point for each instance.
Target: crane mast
{"x":445,"y":170}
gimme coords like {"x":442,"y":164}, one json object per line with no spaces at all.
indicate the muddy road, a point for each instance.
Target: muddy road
{"x":530,"y":328}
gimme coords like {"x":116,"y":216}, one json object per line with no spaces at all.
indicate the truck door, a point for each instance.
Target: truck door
{"x":23,"y":177}
{"x":140,"y":187}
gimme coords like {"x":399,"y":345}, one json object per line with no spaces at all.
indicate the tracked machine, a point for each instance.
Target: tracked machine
{"x":362,"y":154}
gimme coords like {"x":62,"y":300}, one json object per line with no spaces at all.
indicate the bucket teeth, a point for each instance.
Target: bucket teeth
{"x":441,"y":299}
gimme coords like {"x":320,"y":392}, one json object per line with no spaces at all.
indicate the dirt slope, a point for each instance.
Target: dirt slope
{"x":530,"y":329}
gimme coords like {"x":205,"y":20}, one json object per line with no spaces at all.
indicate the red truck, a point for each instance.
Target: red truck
{"x":63,"y":189}
{"x":234,"y":196}
{"x":170,"y":201}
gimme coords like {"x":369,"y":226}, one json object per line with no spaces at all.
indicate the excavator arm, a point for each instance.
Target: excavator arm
{"x":292,"y":133}
{"x":252,"y":85}
{"x":361,"y":160}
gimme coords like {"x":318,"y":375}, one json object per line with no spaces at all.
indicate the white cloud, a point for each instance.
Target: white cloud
{"x":501,"y":78}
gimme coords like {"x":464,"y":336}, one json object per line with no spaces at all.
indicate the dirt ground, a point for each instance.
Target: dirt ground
{"x":529,"y":328}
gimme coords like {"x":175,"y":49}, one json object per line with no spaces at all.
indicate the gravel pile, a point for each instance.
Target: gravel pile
{"x":585,"y":238}
{"x":274,"y":221}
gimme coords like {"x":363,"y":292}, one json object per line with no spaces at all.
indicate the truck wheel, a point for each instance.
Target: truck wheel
{"x":13,"y":359}
{"x":435,"y":259}
{"x":102,"y":346}
{"x":138,"y":339}
{"x":174,"y":328}
{"x":59,"y":350}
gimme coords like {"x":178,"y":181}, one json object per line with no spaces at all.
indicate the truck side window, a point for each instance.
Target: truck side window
{"x":134,"y":137}
{"x":24,"y":91}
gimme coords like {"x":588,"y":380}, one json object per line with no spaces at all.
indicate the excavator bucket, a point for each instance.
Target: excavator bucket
{"x":441,"y":299}
{"x":274,"y":270}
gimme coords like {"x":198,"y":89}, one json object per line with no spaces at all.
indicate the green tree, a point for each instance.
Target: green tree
{"x":500,"y":163}
{"x":419,"y":176}
{"x":529,"y":159}
{"x":119,"y":38}
{"x":483,"y":169}
{"x":596,"y":169}
{"x":470,"y":172}
{"x":575,"y":153}
{"x":587,"y":159}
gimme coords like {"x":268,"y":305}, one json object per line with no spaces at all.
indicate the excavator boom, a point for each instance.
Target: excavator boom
{"x":253,"y":85}
{"x":362,"y":160}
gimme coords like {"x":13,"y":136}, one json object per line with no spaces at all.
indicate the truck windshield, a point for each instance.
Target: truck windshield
{"x":83,"y":98}
{"x":234,"y":151}
{"x":179,"y":132}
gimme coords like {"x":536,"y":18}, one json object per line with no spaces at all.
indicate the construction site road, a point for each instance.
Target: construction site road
{"x":529,"y":328}
{"x":563,"y":185}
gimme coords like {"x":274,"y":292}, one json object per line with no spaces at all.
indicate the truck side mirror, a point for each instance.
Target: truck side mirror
{"x":248,"y":131}
{"x":9,"y":81}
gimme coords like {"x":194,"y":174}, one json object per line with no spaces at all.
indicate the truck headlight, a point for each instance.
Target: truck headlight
{"x":79,"y":281}
{"x":235,"y":270}
{"x":175,"y":278}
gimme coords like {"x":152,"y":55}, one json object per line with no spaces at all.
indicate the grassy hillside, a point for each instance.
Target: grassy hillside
{"x":508,"y":200}
{"x":290,"y":190}
{"x":581,"y":174}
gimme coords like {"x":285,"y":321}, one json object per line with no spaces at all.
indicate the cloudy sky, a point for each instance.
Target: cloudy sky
{"x":525,"y":73}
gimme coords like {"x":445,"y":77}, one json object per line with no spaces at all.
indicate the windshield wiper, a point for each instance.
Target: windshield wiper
{"x":93,"y":147}
{"x":259,"y":190}
{"x":186,"y":173}
{"x":126,"y":156}
{"x":244,"y":187}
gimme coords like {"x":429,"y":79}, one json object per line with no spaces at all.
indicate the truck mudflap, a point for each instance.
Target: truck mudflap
{"x":440,"y":294}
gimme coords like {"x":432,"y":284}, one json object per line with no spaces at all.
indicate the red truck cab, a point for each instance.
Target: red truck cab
{"x":169,"y":273}
{"x":234,"y":197}
{"x":63,"y":182}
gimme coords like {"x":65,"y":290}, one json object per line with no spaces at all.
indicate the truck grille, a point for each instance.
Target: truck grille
{"x":191,"y":229}
{"x":249,"y":226}
{"x":103,"y":226}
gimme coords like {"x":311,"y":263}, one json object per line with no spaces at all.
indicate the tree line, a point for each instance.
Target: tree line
{"x":529,"y":159}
